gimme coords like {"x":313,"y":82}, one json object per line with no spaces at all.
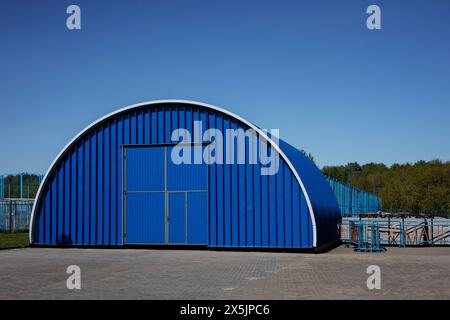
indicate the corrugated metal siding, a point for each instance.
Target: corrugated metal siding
{"x":323,"y":201}
{"x":82,"y":199}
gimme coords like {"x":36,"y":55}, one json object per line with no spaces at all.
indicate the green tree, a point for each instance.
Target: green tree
{"x":423,"y":186}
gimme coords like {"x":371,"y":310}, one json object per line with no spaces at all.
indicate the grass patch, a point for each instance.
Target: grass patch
{"x":14,"y":240}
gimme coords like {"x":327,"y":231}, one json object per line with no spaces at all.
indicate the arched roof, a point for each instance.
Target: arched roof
{"x":323,"y":201}
{"x":308,"y":176}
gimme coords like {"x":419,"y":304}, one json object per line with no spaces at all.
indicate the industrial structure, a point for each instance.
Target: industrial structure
{"x":116,"y":184}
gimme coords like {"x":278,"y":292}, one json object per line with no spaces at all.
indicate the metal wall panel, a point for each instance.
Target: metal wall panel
{"x":145,"y":202}
{"x":182,"y":177}
{"x":145,"y":219}
{"x":177,"y":218}
{"x":145,"y":169}
{"x":81,"y":200}
{"x":197,"y":217}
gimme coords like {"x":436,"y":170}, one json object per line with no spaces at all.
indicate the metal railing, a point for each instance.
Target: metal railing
{"x":400,"y":232}
{"x":20,"y":185}
{"x":353,"y":201}
{"x":15,"y":214}
{"x":364,"y":237}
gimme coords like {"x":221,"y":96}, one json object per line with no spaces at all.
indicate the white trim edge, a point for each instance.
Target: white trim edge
{"x":174,"y":101}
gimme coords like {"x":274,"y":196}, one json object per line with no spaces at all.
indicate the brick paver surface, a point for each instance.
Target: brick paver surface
{"x":406,"y":273}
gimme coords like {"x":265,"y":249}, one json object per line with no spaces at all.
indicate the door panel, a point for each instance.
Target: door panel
{"x":177,"y":218}
{"x":145,"y":218}
{"x":145,"y":169}
{"x":164,"y":203}
{"x":185,"y":177}
{"x":197,"y":213}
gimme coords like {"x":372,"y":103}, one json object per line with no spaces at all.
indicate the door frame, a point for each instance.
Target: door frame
{"x":166,"y":192}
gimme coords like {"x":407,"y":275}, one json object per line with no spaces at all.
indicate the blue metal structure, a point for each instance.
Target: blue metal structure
{"x":114,"y":184}
{"x":353,"y":201}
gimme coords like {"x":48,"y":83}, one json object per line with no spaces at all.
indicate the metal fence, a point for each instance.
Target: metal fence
{"x":353,"y":201}
{"x":400,"y":232}
{"x":15,"y":214}
{"x":20,"y":185}
{"x":364,"y":236}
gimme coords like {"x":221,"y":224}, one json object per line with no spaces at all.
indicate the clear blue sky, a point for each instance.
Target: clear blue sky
{"x":310,"y":68}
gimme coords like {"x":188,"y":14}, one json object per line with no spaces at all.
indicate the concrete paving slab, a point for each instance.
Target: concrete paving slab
{"x":406,"y":273}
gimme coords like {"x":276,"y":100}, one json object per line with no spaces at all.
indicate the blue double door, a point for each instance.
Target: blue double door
{"x":164,"y":202}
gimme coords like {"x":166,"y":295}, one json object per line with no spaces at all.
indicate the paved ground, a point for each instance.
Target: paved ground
{"x":409,"y":273}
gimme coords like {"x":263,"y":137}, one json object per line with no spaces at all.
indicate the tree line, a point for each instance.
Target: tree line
{"x":420,"y":187}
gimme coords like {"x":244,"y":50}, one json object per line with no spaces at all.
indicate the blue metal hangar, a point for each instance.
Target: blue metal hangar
{"x":120,"y":182}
